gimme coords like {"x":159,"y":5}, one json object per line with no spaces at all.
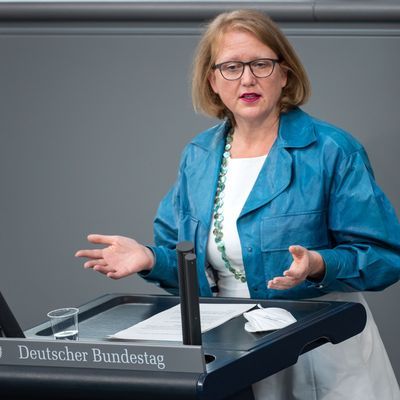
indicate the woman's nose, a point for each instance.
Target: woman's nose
{"x":248,"y":77}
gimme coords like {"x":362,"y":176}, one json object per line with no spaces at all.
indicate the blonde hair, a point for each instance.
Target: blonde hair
{"x":297,"y":90}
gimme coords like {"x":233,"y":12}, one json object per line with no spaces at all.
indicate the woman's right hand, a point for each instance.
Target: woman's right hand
{"x":121,"y":256}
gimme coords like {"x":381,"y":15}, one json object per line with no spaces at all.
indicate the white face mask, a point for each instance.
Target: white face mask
{"x":267,"y":319}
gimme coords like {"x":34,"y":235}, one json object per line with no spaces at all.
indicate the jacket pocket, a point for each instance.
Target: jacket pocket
{"x":307,"y":229}
{"x":187,"y":228}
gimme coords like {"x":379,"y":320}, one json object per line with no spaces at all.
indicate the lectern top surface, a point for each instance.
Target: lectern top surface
{"x":110,"y":314}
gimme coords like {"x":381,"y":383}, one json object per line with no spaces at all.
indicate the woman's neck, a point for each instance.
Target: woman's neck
{"x":254,"y":140}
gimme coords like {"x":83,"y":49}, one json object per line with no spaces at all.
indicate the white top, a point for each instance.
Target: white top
{"x":240,"y":178}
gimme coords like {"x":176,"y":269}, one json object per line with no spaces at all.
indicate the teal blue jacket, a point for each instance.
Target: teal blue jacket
{"x":315,"y":189}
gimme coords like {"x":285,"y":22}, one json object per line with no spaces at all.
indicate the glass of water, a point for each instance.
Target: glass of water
{"x":64,"y":323}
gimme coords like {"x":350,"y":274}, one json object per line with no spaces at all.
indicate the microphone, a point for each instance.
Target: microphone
{"x":189,"y":294}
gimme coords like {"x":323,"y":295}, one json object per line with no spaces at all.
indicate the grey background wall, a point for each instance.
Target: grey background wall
{"x":93,"y":117}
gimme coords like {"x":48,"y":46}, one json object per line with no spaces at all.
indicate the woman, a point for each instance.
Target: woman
{"x":278,"y":204}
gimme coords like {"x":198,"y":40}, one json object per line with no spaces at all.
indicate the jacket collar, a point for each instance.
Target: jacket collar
{"x":295,"y":131}
{"x":213,"y":139}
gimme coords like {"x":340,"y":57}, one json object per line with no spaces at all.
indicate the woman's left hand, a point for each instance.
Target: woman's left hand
{"x":306,"y":265}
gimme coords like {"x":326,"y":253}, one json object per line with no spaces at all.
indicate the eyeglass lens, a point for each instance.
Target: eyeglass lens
{"x":232,"y":70}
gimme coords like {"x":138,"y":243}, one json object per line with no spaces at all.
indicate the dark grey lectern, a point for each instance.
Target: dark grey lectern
{"x":222,"y":368}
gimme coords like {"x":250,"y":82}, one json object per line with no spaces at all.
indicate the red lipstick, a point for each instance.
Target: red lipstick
{"x":250,"y":97}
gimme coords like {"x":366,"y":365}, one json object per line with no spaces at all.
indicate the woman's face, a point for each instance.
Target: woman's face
{"x":251,"y":100}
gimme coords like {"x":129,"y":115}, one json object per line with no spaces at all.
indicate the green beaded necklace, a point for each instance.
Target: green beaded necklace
{"x":218,"y":210}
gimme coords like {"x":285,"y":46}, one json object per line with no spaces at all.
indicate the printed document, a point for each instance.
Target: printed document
{"x":166,"y":325}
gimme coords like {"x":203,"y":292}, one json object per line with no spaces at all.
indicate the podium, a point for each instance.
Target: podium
{"x":225,"y":366}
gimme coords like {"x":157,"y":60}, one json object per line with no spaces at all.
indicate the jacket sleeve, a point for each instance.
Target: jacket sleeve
{"x":165,"y":228}
{"x":364,"y":229}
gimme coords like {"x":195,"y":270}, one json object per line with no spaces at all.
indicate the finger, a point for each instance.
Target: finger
{"x":103,"y":269}
{"x":297,"y":252}
{"x":276,"y":286}
{"x":101,"y":239}
{"x":282,"y":283}
{"x":90,"y":253}
{"x":295,"y":272}
{"x":114,"y":275}
{"x":92,"y":263}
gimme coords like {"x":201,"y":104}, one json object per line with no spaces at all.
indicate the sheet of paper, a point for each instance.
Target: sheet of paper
{"x":166,"y":325}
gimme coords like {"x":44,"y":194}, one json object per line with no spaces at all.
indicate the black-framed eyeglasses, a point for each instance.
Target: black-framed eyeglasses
{"x":260,"y":68}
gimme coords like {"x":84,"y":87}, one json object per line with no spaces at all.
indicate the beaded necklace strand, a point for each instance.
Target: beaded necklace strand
{"x":218,"y":210}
